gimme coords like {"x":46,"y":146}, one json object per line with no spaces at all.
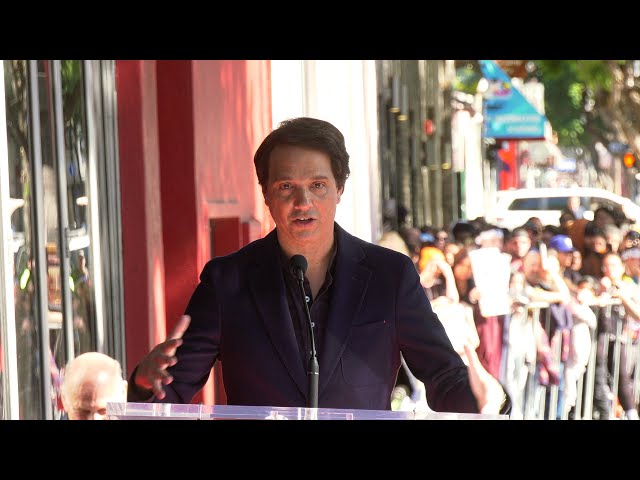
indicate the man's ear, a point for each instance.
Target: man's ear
{"x":340,"y":192}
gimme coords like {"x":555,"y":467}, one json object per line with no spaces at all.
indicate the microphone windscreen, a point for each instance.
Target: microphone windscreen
{"x":298,"y":263}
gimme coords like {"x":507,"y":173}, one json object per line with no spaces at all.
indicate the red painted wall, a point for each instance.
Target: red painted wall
{"x":178,"y":185}
{"x":142,"y":246}
{"x":188,"y":131}
{"x":232,"y":116}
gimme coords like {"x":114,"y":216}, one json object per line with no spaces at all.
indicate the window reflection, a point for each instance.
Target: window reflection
{"x":75,"y":135}
{"x":20,"y":190}
{"x":71,"y":192}
{"x":52,"y":239}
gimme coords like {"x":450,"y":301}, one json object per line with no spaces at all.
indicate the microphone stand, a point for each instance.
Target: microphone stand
{"x":313,"y":370}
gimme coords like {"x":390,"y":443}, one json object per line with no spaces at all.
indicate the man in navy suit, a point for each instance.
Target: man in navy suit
{"x":365,"y":303}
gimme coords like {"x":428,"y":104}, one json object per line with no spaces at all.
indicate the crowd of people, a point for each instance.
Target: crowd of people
{"x":551,"y":310}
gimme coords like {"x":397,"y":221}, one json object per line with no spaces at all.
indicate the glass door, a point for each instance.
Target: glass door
{"x":51,"y":275}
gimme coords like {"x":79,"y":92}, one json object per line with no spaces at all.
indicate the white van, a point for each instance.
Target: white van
{"x":514,"y":207}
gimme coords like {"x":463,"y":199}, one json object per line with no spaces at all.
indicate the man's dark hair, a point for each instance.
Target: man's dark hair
{"x":464,"y":232}
{"x":305,"y":132}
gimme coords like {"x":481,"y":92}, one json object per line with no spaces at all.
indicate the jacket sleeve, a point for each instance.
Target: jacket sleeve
{"x":427,"y":350}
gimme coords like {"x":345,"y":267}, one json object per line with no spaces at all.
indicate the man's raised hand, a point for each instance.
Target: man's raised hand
{"x":151,"y":373}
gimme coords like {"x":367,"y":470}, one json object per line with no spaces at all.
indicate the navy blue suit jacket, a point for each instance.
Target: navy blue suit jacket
{"x":239,"y":315}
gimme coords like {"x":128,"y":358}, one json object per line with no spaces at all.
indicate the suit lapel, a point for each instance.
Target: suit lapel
{"x":350,"y":284}
{"x":268,"y":290}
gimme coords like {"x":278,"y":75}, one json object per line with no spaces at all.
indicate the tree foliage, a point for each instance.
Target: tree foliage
{"x":588,"y":101}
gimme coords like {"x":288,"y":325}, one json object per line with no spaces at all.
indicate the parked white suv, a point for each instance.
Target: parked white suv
{"x":514,"y":207}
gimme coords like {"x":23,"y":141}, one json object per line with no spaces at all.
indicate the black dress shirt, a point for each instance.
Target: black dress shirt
{"x":318,"y":307}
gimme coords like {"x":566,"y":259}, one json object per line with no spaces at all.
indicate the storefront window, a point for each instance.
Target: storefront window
{"x":21,"y":204}
{"x":52,"y":282}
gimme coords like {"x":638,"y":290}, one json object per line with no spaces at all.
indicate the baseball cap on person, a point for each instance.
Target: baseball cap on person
{"x":561,"y":243}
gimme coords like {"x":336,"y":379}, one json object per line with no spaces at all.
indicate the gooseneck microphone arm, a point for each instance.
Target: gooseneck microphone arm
{"x":298,"y":264}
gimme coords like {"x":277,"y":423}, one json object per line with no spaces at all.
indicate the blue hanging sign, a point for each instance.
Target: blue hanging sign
{"x":508,"y":115}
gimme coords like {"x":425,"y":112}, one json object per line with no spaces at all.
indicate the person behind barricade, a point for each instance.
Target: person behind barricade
{"x":576,"y":340}
{"x":464,"y":233}
{"x":576,"y":229}
{"x":568,"y":329}
{"x":631,"y":239}
{"x":405,"y":381}
{"x":489,"y":328}
{"x":436,"y":277}
{"x":574,"y":208}
{"x":411,"y":237}
{"x":520,"y":346}
{"x":576,"y":261}
{"x":605,"y":215}
{"x":534,"y":227}
{"x":563,"y":246}
{"x":615,"y":285}
{"x":631,"y":259}
{"x":545,"y":284}
{"x":392,"y":240}
{"x":450,"y":249}
{"x":490,"y":237}
{"x":438,"y":281}
{"x":613,"y":237}
{"x":548,"y":232}
{"x":517,"y":245}
{"x":566,"y":222}
{"x":441,"y":237}
{"x":427,"y":236}
{"x":595,"y":247}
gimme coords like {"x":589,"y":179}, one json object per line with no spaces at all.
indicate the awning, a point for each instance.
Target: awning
{"x":508,"y":115}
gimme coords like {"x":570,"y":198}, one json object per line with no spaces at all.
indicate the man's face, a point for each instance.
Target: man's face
{"x":612,"y":267}
{"x":576,"y":260}
{"x":302,"y":195}
{"x":532,"y":268}
{"x":519,"y":246}
{"x":565,"y":259}
{"x":89,"y":401}
{"x":599,"y":244}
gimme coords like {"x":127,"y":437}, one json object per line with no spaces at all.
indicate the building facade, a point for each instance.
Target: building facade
{"x":118,"y":181}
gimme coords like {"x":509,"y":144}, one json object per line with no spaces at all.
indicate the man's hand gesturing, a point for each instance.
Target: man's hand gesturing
{"x":151,"y":373}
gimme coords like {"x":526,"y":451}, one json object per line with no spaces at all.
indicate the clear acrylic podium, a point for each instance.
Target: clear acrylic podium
{"x":176,"y":411}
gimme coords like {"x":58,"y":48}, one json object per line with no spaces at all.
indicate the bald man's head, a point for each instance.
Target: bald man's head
{"x":90,"y":381}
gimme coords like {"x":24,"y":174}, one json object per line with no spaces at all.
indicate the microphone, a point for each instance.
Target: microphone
{"x":298,"y":265}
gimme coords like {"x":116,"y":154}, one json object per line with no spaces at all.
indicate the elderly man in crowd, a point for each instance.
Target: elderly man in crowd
{"x":90,"y":381}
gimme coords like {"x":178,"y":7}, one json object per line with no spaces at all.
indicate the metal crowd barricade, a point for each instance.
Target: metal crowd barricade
{"x":534,"y":397}
{"x":585,"y":389}
{"x":543,"y":401}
